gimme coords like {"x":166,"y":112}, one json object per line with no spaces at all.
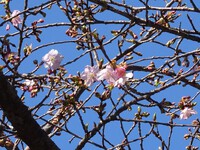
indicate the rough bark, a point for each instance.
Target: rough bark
{"x":21,"y":119}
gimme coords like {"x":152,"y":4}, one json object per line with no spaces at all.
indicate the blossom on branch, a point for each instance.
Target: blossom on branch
{"x":30,"y":86}
{"x":16,"y":20}
{"x":89,"y":75}
{"x":29,"y":83}
{"x":116,"y":77}
{"x":52,"y":59}
{"x":107,"y":74}
{"x":187,"y":112}
{"x":121,"y":75}
{"x":121,"y":81}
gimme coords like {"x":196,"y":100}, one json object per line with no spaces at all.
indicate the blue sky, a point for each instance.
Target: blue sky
{"x":68,"y":50}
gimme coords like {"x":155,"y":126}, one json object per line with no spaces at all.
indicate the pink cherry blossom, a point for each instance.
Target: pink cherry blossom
{"x":117,"y":77}
{"x":89,"y":75}
{"x":16,"y":20}
{"x":120,"y":71}
{"x":107,"y":74}
{"x":52,"y":59}
{"x":187,"y":112}
{"x":121,"y":75}
{"x":121,"y":81}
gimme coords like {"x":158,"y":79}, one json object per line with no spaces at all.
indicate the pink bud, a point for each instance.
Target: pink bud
{"x":120,"y":72}
{"x":30,"y":88}
{"x":40,"y":21}
{"x":7,"y":27}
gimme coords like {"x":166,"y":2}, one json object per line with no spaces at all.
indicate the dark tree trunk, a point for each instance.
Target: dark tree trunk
{"x":21,"y":119}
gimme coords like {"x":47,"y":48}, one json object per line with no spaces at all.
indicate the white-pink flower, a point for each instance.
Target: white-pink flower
{"x":187,"y":112}
{"x":16,"y":20}
{"x":29,"y":83}
{"x":107,"y":74}
{"x":52,"y":59}
{"x":89,"y":74}
{"x":121,"y":75}
{"x":121,"y":81}
{"x":117,"y":76}
{"x":120,"y":71}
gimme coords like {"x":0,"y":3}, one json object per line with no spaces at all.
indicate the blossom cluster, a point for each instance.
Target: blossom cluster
{"x":114,"y":76}
{"x":30,"y":86}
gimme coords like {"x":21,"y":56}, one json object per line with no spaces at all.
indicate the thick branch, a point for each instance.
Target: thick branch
{"x":20,"y":117}
{"x":149,"y":23}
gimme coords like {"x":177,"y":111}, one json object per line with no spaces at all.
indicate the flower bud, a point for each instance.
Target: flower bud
{"x":186,"y":136}
{"x":139,"y":109}
{"x":40,"y":21}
